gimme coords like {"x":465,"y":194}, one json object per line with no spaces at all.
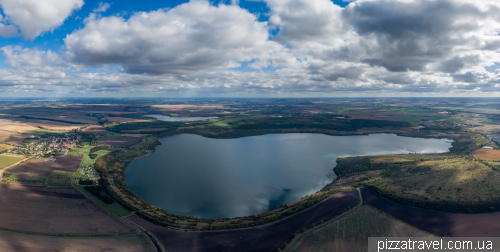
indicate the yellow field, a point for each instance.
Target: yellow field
{"x":21,"y":125}
{"x":4,"y":147}
{"x":6,"y":161}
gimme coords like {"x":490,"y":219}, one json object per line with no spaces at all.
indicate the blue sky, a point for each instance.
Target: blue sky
{"x":268,"y":48}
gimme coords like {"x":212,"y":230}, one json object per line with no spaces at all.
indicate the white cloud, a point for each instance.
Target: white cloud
{"x":102,"y":7}
{"x":34,"y":17}
{"x":371,"y":47}
{"x":190,"y":37}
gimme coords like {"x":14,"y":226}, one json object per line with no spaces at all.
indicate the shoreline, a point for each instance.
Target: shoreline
{"x":262,"y":216}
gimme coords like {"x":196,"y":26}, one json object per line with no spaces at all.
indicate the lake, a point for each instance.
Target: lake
{"x":179,"y":119}
{"x":202,"y":177}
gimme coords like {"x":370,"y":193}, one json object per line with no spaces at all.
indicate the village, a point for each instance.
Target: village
{"x":444,"y":124}
{"x":48,"y":146}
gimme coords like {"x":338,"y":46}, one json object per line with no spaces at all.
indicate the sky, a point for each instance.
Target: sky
{"x":243,"y":48}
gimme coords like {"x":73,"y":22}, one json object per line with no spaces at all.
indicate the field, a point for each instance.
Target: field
{"x":19,"y":242}
{"x":104,"y":152}
{"x":268,"y":237}
{"x":122,"y":119}
{"x":9,"y":137}
{"x":95,"y":130}
{"x":437,"y":222}
{"x":135,"y":135}
{"x":112,"y":134}
{"x":487,"y":154}
{"x":36,"y":168}
{"x":4,"y":147}
{"x":22,"y":125}
{"x":8,"y":160}
{"x":119,"y":141}
{"x":482,"y":141}
{"x":59,"y":178}
{"x":144,"y":130}
{"x":350,"y":232}
{"x":488,"y":128}
{"x":54,"y":210}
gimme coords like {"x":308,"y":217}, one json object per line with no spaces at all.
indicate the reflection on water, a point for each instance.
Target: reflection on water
{"x":217,"y":178}
{"x":178,"y":119}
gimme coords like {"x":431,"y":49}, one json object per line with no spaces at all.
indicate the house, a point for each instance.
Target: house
{"x":487,"y":147}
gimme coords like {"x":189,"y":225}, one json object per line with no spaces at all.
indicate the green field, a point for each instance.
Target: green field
{"x":350,"y":231}
{"x":43,"y":131}
{"x":104,"y":152}
{"x":112,"y":134}
{"x":7,"y":161}
{"x":481,"y":141}
{"x":218,"y":123}
{"x":59,"y":178}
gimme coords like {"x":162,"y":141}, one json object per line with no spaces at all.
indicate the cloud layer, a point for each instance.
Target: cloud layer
{"x":34,"y":17}
{"x":370,"y":47}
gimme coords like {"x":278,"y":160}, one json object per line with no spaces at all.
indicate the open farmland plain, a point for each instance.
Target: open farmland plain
{"x":55,"y":210}
{"x":349,"y":232}
{"x":60,"y":207}
{"x":22,"y":125}
{"x":20,"y":242}
{"x":37,"y":168}
{"x":9,"y":137}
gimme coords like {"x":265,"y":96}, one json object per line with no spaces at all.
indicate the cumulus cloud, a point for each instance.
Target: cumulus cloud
{"x":190,"y":37}
{"x":7,"y":30}
{"x":34,"y":17}
{"x":370,"y":47}
{"x":102,"y":7}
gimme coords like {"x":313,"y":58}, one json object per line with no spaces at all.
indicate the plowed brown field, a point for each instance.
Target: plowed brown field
{"x":18,"y":242}
{"x":438,"y":222}
{"x":95,"y":130}
{"x":39,"y":167}
{"x":56,"y":211}
{"x":120,"y":141}
{"x":487,"y":154}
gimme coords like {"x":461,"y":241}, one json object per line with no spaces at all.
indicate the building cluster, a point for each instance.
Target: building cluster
{"x":443,"y":124}
{"x":496,"y":138}
{"x":89,"y":171}
{"x":51,"y":146}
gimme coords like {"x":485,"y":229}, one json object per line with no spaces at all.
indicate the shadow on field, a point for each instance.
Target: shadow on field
{"x":267,"y":237}
{"x":438,"y":222}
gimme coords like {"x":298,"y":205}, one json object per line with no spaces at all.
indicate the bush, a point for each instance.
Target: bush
{"x":87,"y":182}
{"x":96,"y":191}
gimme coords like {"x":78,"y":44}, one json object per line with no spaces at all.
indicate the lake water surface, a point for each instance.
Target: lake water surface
{"x":202,"y":177}
{"x":178,"y":119}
